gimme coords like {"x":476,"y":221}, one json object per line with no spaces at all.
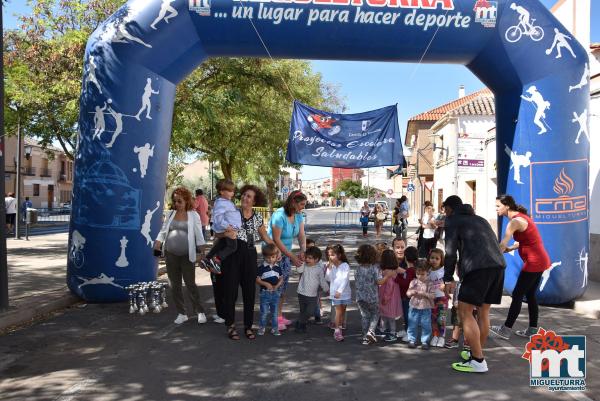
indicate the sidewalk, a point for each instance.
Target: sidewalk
{"x":37,"y":273}
{"x":36,"y":278}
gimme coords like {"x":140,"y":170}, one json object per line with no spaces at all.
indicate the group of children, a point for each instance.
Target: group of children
{"x":391,"y":284}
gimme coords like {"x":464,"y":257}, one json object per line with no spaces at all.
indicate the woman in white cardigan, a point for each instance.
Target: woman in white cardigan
{"x":180,"y":240}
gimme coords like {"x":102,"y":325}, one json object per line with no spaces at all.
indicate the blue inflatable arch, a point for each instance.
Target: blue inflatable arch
{"x":537,"y":71}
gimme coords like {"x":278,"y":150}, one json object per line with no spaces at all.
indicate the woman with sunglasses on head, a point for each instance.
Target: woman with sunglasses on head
{"x":180,"y":240}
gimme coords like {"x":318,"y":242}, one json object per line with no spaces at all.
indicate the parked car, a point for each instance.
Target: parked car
{"x":325,"y":203}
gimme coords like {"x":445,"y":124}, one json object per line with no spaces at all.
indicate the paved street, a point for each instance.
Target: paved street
{"x":100,"y":352}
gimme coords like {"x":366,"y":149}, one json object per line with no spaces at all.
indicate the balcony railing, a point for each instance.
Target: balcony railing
{"x":62,"y":177}
{"x":45,"y":172}
{"x":28,"y":170}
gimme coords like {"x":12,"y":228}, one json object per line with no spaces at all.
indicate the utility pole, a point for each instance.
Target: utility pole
{"x":18,"y":175}
{"x":368,"y":184}
{"x":3,"y":265}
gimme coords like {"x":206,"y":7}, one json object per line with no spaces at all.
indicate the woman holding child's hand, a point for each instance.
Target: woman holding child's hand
{"x":286,"y":224}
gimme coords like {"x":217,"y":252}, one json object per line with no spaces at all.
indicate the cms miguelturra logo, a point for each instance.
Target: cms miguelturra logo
{"x":486,"y":12}
{"x":557,"y":363}
{"x":202,"y":7}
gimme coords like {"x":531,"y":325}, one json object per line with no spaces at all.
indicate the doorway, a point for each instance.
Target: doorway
{"x":471,"y":193}
{"x":50,"y":196}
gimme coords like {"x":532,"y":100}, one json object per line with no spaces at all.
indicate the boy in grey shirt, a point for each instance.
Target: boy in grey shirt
{"x":313,"y":276}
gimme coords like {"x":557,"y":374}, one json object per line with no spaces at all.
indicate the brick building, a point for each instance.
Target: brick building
{"x":46,"y":175}
{"x":342,"y":174}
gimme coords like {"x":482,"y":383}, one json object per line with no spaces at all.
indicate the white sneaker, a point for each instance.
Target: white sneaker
{"x":433,"y":341}
{"x":405,"y":338}
{"x":471,"y":366}
{"x":218,"y":319}
{"x":401,"y":333}
{"x":441,"y":342}
{"x":181,"y":319}
{"x":201,"y":318}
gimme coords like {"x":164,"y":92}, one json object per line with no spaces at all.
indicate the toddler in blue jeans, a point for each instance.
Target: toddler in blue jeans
{"x":269,"y":277}
{"x":421,"y":293}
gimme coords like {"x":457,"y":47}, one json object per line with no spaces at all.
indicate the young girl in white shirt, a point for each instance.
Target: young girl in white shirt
{"x":340,"y":293}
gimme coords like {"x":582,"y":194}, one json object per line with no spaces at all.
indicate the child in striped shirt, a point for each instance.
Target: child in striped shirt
{"x":313,"y":277}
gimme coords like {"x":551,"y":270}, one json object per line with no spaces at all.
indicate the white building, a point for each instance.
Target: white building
{"x":439,"y":128}
{"x":196,"y":171}
{"x":575,"y":15}
{"x":464,"y":155}
{"x":317,"y":190}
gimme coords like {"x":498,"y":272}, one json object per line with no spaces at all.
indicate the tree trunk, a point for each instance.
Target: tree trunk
{"x":270,"y":194}
{"x":226,"y":169}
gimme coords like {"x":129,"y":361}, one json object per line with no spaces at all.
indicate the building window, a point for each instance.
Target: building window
{"x":36,"y":189}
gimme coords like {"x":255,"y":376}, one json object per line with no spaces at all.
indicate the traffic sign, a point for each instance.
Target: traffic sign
{"x":342,"y":193}
{"x":410,"y":187}
{"x":285,"y":190}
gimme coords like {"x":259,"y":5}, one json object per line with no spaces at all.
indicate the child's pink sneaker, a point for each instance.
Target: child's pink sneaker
{"x":283,"y":320}
{"x":337,"y":334}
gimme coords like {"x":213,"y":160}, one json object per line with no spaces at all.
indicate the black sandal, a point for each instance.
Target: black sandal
{"x":232,"y":333}
{"x":249,"y":334}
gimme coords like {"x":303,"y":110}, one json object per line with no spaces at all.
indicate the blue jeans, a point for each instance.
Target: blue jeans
{"x":419,"y":318}
{"x":269,"y":300}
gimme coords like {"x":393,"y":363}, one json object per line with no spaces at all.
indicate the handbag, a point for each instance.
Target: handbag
{"x":380,"y":216}
{"x":364,"y":219}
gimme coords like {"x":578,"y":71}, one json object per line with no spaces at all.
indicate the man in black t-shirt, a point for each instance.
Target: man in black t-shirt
{"x":481,"y":271}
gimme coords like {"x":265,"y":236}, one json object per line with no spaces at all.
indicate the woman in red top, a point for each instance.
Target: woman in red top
{"x":535,"y":261}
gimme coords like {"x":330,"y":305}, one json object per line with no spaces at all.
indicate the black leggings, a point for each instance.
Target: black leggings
{"x":527,"y":285}
{"x":426,"y":246}
{"x":239,"y":270}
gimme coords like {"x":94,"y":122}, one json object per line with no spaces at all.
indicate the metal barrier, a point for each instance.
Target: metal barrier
{"x":352,"y":219}
{"x":264,"y":212}
{"x":346,"y":220}
{"x":53,"y":215}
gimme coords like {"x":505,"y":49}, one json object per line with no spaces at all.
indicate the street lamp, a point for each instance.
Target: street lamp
{"x":28,"y":150}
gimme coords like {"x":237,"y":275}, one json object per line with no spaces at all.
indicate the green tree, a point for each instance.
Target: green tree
{"x":350,"y":188}
{"x":355,"y":189}
{"x":237,"y":111}
{"x":43,"y":67}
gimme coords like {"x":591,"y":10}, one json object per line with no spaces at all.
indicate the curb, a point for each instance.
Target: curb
{"x":34,"y":307}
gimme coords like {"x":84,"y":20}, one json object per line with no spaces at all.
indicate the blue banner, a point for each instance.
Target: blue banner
{"x":320,"y":138}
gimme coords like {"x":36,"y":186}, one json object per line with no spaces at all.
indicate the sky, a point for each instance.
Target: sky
{"x":368,"y":85}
